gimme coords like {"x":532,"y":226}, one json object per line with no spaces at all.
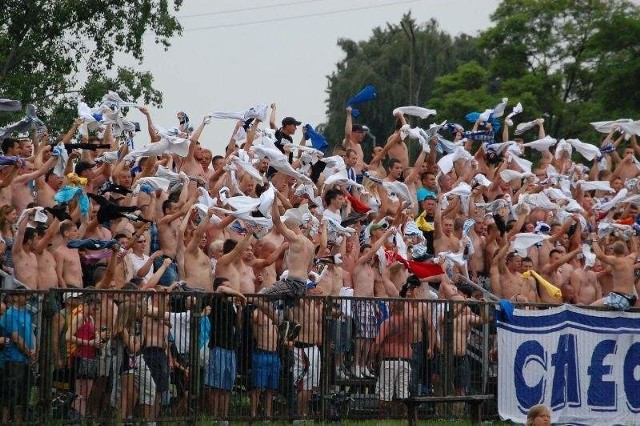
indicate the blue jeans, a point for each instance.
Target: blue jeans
{"x":170,"y":274}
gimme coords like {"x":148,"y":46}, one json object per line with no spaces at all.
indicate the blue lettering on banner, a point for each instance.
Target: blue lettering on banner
{"x":601,"y":395}
{"x":528,"y":396}
{"x":631,"y":371}
{"x":566,"y":382}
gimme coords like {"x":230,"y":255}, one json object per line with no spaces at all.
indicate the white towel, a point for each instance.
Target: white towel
{"x":414,"y":111}
{"x":541,"y":144}
{"x":606,"y":206}
{"x":446,"y":163}
{"x":523,"y":164}
{"x":413,"y":133}
{"x":587,"y":150}
{"x":166,"y":145}
{"x":157,"y":183}
{"x":277,"y":159}
{"x":258,"y":111}
{"x":248,"y":168}
{"x":481,"y":179}
{"x":516,"y":110}
{"x":589,"y":256}
{"x":523,"y":241}
{"x":598,"y":185}
{"x":626,"y":125}
{"x":563,"y":146}
{"x":509,"y":175}
{"x":523,"y":127}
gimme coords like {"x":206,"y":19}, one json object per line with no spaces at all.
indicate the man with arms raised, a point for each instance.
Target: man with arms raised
{"x":24,"y":258}
{"x":622,"y":296}
{"x":197,"y":269}
{"x":68,"y":267}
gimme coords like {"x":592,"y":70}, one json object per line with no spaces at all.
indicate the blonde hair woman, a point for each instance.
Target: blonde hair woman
{"x":539,"y":415}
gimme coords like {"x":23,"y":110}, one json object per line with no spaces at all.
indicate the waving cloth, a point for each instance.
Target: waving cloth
{"x":10,"y":105}
{"x":113,"y":100}
{"x":277,"y":159}
{"x":516,"y":110}
{"x":62,"y":156}
{"x":248,"y":168}
{"x":68,"y":192}
{"x":508,"y":175}
{"x":541,"y":144}
{"x":626,"y":125}
{"x":587,"y":150}
{"x":110,"y":210}
{"x":91,"y":244}
{"x":597,"y":185}
{"x":166,"y":145}
{"x":523,"y":127}
{"x":415,"y":111}
{"x":446,"y":163}
{"x":258,"y":111}
{"x":523,"y":241}
{"x":91,"y":118}
{"x":413,"y":133}
{"x":30,"y":121}
{"x":318,"y":141}
{"x":549,"y":288}
{"x":608,"y":205}
{"x":119,"y":124}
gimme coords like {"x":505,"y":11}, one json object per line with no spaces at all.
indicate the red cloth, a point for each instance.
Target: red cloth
{"x":357,"y":205}
{"x":425,"y":269}
{"x":627,"y":221}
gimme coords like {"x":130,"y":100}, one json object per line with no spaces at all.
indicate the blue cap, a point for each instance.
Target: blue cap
{"x":423,"y":193}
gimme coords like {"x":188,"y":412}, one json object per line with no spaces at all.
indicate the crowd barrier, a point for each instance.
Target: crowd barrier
{"x":142,"y":356}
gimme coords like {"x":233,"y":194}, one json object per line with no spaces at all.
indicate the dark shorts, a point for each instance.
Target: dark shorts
{"x":287,"y":287}
{"x":14,"y":384}
{"x":265,"y":370}
{"x":461,"y":372}
{"x":340,"y":334}
{"x":85,"y":368}
{"x":158,"y":363}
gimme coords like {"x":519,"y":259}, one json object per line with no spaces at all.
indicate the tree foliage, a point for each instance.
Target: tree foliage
{"x":402,"y":62}
{"x":568,"y":61}
{"x":46,"y":47}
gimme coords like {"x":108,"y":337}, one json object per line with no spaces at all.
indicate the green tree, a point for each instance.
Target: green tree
{"x":402,"y":62}
{"x":577,"y":60}
{"x":47,"y":46}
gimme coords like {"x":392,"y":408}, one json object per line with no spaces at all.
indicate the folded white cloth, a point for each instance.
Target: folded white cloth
{"x":556,"y":194}
{"x":597,"y":185}
{"x":258,"y":111}
{"x":108,"y":157}
{"x":523,"y":241}
{"x":508,"y":175}
{"x":589,"y":256}
{"x":248,"y":168}
{"x":266,"y":201}
{"x":398,"y":189}
{"x":563,"y":146}
{"x":446,"y":163}
{"x":114,"y":100}
{"x":166,"y":145}
{"x":62,"y":156}
{"x":277,"y":159}
{"x":523,"y":127}
{"x":86,"y":114}
{"x":626,"y":125}
{"x":413,"y":133}
{"x":414,"y":111}
{"x":541,"y":144}
{"x":481,"y":179}
{"x":457,"y":258}
{"x":498,"y":110}
{"x":606,"y":206}
{"x":523,"y":164}
{"x":587,"y":150}
{"x":432,"y":130}
{"x":632,"y":199}
{"x":516,"y":110}
{"x":539,"y":200}
{"x":243,"y":203}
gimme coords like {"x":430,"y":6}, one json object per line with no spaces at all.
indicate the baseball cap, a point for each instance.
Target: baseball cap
{"x":290,"y":120}
{"x":357,"y":128}
{"x":423,"y":194}
{"x":377,"y":226}
{"x":82,"y":166}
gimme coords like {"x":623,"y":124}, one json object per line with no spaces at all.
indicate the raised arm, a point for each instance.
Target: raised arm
{"x":347,"y":127}
{"x":272,"y":117}
{"x":234,"y":254}
{"x":375,"y":247}
{"x":277,"y":223}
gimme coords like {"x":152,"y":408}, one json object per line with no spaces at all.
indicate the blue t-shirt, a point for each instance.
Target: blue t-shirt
{"x":18,"y":321}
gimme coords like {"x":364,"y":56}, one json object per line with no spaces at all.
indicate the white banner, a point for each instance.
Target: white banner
{"x":582,"y":364}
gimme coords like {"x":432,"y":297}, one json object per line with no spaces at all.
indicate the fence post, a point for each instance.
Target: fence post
{"x":195,"y":387}
{"x":45,"y":350}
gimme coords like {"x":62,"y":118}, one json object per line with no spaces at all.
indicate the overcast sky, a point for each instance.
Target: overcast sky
{"x":236,"y":54}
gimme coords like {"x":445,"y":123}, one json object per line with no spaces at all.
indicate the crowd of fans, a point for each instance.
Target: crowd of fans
{"x":479,"y":213}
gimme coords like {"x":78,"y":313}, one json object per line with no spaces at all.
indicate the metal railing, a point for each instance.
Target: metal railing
{"x":136,"y":356}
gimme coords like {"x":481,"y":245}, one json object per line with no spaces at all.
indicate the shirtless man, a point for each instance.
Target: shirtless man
{"x":455,"y":340}
{"x":265,"y":371}
{"x":22,"y":193}
{"x":155,"y":331}
{"x":393,"y":348}
{"x":68,"y":267}
{"x":45,"y":260}
{"x":511,"y":281}
{"x":24,"y":259}
{"x":353,"y":137}
{"x":558,"y":271}
{"x":228,"y":264}
{"x":191,"y":164}
{"x":306,"y":352}
{"x":299,"y":261}
{"x":46,"y":188}
{"x":198,"y":274}
{"x":246,"y":273}
{"x":626,"y":168}
{"x":263,"y":264}
{"x":365,"y":311}
{"x":443,"y":238}
{"x":168,"y":231}
{"x":584,"y":286}
{"x":622,"y":296}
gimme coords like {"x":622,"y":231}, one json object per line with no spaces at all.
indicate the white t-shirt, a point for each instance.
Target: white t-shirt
{"x":138,"y":262}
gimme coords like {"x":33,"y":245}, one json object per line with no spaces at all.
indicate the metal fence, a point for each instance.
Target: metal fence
{"x":142,"y":356}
